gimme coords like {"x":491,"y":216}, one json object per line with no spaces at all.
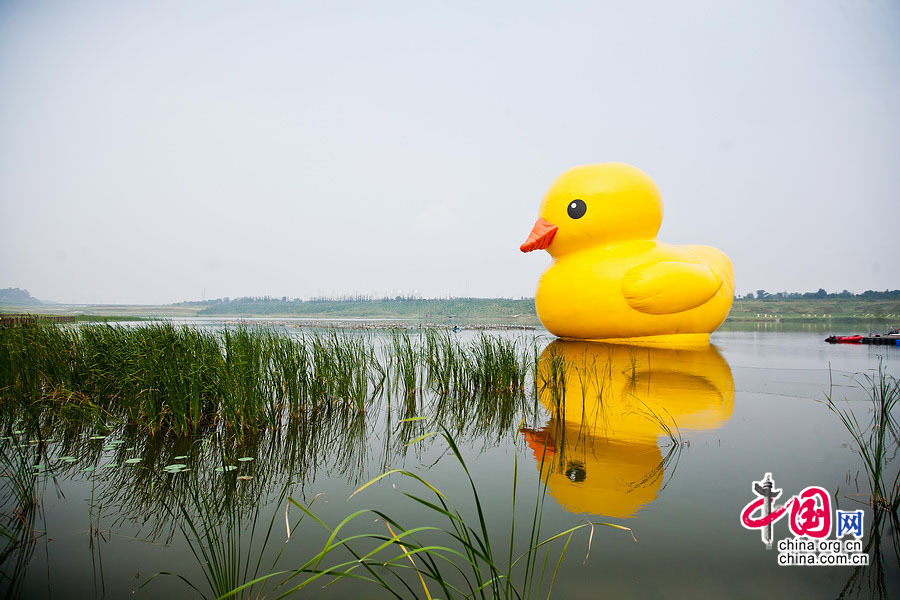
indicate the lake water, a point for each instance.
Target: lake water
{"x":666,"y":442}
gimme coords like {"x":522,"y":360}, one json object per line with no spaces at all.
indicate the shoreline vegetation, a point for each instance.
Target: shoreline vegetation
{"x":185,"y":380}
{"x":478,"y":313}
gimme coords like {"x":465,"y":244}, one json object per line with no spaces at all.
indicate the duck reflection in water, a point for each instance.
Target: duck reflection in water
{"x":611,"y":407}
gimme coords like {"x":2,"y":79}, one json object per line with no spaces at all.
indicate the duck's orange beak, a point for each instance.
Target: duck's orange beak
{"x":540,"y":237}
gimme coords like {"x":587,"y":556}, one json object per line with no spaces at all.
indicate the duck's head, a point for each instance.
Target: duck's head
{"x":596,"y":204}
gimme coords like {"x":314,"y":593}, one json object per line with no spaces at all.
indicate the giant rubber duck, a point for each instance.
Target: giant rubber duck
{"x":610,"y":278}
{"x":606,"y":447}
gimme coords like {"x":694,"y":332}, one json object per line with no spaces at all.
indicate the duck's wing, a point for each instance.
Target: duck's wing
{"x":669,"y":287}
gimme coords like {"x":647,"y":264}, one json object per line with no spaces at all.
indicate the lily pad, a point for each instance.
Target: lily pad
{"x":175,"y":466}
{"x":87,"y":469}
{"x":68,"y":459}
{"x":245,"y":459}
{"x":226,"y":469}
{"x":132,"y":461}
{"x":97,"y":437}
{"x":110,"y":465}
{"x":245,"y":477}
{"x":180,"y":457}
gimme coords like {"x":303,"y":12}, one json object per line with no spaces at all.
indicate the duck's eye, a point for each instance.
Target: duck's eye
{"x":576,"y":209}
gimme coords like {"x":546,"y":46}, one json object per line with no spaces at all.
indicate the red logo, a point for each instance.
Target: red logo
{"x":810,"y":514}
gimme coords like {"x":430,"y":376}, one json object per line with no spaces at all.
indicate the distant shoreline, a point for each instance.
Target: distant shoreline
{"x":466,"y":311}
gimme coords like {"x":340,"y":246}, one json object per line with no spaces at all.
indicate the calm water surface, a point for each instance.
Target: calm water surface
{"x":749,"y":404}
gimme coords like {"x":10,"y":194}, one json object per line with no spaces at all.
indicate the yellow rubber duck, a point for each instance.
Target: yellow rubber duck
{"x":606,"y":447}
{"x":610,"y":278}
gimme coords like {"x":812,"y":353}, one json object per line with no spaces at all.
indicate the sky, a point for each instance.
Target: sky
{"x":152,"y":152}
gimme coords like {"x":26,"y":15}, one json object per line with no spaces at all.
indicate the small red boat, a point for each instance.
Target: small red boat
{"x":844,"y":339}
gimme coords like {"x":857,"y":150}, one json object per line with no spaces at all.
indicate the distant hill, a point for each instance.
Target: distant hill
{"x":17,"y":297}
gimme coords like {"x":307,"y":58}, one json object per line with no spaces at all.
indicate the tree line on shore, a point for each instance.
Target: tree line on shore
{"x":414,"y":303}
{"x":821,"y":294}
{"x":409,"y":305}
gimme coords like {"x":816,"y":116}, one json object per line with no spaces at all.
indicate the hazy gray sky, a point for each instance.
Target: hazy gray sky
{"x":151,"y":151}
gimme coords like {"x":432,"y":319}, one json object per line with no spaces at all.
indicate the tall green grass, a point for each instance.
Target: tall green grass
{"x":228,"y":550}
{"x":878,"y":439}
{"x":463,"y":557}
{"x":292,"y":403}
{"x":189,"y":381}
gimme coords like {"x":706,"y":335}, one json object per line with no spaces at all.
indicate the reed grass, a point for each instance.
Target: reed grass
{"x":877,"y":441}
{"x":192,"y":381}
{"x":226,"y":548}
{"x":313,"y":420}
{"x":460,"y":559}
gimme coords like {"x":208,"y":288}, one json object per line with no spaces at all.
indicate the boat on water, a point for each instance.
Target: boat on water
{"x":892,"y":338}
{"x":844,"y":339}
